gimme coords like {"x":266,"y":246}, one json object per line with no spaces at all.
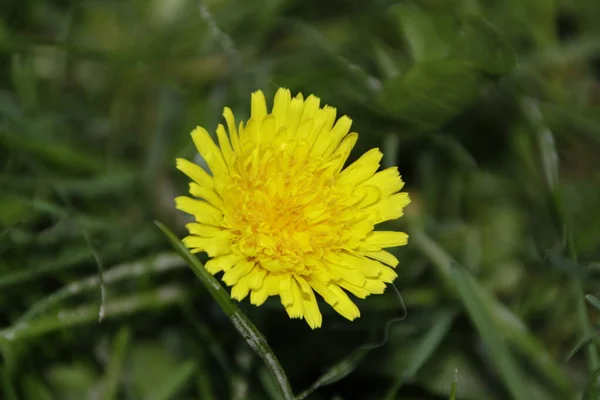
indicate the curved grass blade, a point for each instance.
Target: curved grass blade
{"x":348,"y":364}
{"x":593,"y":300}
{"x":582,"y":343}
{"x":500,"y":353}
{"x":425,"y":349}
{"x":155,"y":264}
{"x":338,"y":372}
{"x":245,"y":327}
{"x":126,"y":305}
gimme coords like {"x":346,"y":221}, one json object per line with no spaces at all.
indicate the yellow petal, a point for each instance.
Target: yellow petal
{"x":270,"y":287}
{"x":391,"y":207}
{"x":258,"y":106}
{"x":345,"y":307}
{"x":240,"y":270}
{"x":222,"y":263}
{"x":207,"y":194}
{"x":240,"y":290}
{"x":388,"y":181}
{"x":256,"y":278}
{"x":382,"y":256}
{"x":233,"y":134}
{"x":383,"y":239}
{"x":362,"y":169}
{"x":341,"y":154}
{"x":335,"y":136}
{"x":374,"y":286}
{"x":225,"y":146}
{"x":312,"y":315}
{"x":357,"y":291}
{"x":311,"y":105}
{"x":206,"y":231}
{"x":204,"y":212}
{"x":295,"y":308}
{"x":194,"y":172}
{"x":268,"y":128}
{"x":294,"y":116}
{"x":209,"y":151}
{"x":281,"y":105}
{"x":387,"y":274}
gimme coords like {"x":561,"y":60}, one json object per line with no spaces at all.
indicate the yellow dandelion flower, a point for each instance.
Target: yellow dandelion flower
{"x":281,"y":217}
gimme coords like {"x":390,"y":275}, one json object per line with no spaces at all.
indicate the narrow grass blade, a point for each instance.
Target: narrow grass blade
{"x":204,"y":379}
{"x":582,"y":343}
{"x":550,"y":165}
{"x":245,"y":327}
{"x":453,"y":389}
{"x":593,"y":300}
{"x":114,"y":370}
{"x":176,"y":381}
{"x":425,"y":349}
{"x":126,"y":305}
{"x":479,"y":313}
{"x":338,"y":372}
{"x":513,"y":329}
{"x":591,"y":391}
{"x":155,"y":264}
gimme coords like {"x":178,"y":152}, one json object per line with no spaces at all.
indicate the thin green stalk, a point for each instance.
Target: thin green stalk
{"x":244,"y":326}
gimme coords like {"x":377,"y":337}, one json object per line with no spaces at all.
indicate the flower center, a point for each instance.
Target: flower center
{"x":285,"y":209}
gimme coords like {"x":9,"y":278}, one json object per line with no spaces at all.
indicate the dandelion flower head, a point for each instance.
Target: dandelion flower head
{"x":280,"y":216}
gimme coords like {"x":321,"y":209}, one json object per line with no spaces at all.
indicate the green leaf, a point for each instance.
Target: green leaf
{"x":245,"y":327}
{"x":501,"y":356}
{"x":434,"y":36}
{"x":431,"y":93}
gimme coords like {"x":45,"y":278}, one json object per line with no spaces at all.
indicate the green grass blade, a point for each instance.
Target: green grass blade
{"x":155,"y":264}
{"x":115,"y":307}
{"x":453,"y":389}
{"x":338,"y":372}
{"x":114,"y":370}
{"x":586,"y":341}
{"x":479,"y":313}
{"x":425,"y":349}
{"x":593,"y":300}
{"x":591,"y":391}
{"x":176,"y":381}
{"x":513,"y":328}
{"x":245,"y":327}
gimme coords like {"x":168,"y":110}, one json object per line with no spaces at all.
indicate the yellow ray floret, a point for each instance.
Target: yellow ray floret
{"x":280,"y":216}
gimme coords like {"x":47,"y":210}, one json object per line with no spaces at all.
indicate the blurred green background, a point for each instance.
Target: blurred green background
{"x":491,"y":109}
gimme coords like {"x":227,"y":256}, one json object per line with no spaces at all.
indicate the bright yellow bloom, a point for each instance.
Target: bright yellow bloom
{"x":280,"y":217}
